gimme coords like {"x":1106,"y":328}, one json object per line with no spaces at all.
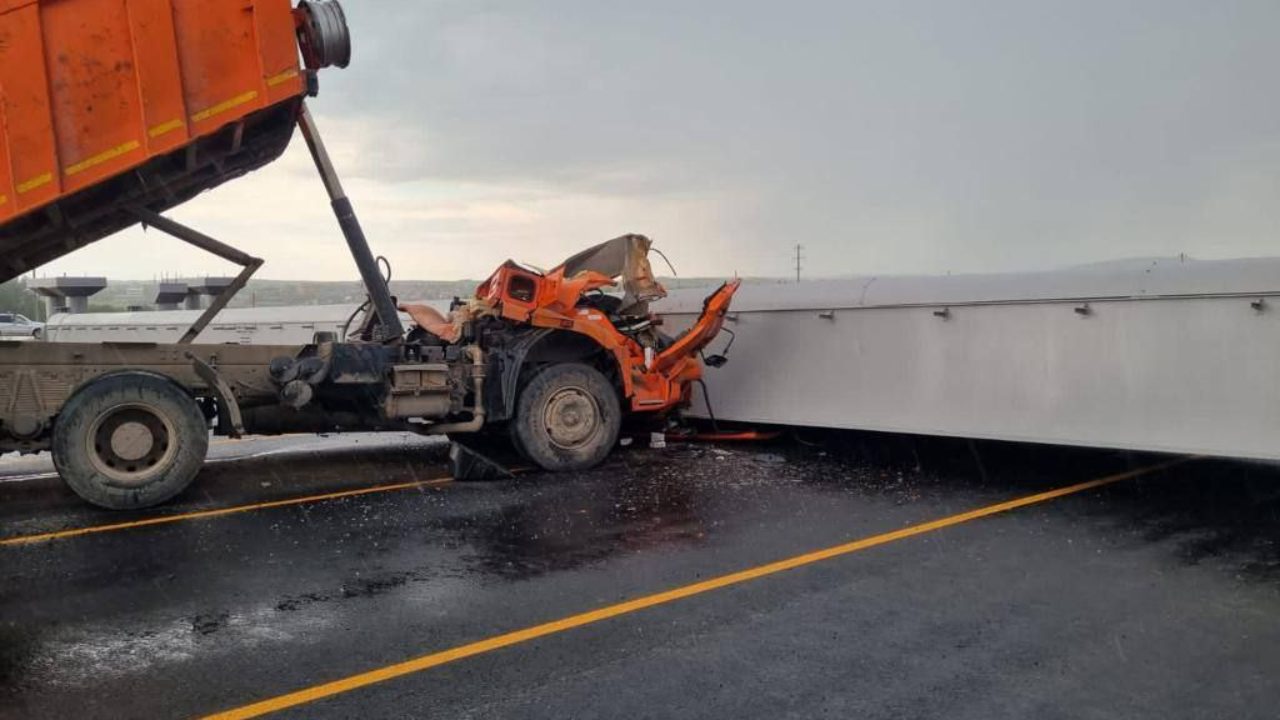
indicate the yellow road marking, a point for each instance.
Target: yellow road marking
{"x":102,"y":157}
{"x":203,"y":514}
{"x":165,"y":127}
{"x":425,"y":662}
{"x":224,"y":106}
{"x":35,"y":182}
{"x":285,"y":76}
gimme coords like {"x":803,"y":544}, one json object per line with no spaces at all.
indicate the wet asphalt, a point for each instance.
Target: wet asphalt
{"x":1156,"y":597}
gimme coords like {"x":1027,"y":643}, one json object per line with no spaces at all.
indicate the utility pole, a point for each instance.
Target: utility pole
{"x":799,"y":257}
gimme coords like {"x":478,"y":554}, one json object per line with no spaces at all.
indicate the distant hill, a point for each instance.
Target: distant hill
{"x":122,"y":294}
{"x":273,"y":293}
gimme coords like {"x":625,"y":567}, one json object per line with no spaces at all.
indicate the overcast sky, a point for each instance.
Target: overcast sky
{"x":886,"y":137}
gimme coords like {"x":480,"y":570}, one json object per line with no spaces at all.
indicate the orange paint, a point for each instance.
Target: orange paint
{"x":80,"y":107}
{"x":551,"y":301}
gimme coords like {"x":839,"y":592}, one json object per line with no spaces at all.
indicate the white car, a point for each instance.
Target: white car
{"x":14,"y":325}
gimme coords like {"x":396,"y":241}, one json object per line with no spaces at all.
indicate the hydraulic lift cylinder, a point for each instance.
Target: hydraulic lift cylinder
{"x":384,"y":306}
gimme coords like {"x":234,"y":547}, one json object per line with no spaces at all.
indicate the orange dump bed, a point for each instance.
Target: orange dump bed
{"x":111,"y":105}
{"x":92,"y":88}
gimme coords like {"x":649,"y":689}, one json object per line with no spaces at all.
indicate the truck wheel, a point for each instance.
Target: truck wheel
{"x":130,"y":440}
{"x":567,"y":418}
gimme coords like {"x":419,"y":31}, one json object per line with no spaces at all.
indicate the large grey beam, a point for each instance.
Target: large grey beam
{"x":1169,"y":356}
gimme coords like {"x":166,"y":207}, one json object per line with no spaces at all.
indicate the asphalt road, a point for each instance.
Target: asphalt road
{"x":1155,"y":596}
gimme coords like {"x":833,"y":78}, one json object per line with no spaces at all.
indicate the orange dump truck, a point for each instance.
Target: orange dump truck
{"x":114,"y":111}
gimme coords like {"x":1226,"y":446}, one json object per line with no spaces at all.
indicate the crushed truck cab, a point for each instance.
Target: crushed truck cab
{"x":550,"y":364}
{"x":569,"y":306}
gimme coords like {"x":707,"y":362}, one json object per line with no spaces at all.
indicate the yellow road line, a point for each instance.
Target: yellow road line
{"x":224,"y":106}
{"x":285,"y":76}
{"x":165,"y":127}
{"x":102,"y":157}
{"x":35,"y":182}
{"x":204,"y":514}
{"x":425,"y":662}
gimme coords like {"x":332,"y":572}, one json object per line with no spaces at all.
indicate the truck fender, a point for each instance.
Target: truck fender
{"x":508,"y":363}
{"x":122,"y":371}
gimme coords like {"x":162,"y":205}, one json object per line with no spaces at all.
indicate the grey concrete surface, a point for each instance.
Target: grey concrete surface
{"x":1152,"y":598}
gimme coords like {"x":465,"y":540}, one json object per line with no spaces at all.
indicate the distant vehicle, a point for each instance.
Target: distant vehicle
{"x":12,"y":325}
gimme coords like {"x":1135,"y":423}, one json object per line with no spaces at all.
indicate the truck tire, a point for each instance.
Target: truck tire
{"x":567,"y":418}
{"x":130,"y":440}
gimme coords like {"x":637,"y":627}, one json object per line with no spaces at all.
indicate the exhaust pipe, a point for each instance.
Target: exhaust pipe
{"x":476,"y":423}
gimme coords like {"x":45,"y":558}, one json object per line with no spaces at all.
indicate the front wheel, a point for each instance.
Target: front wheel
{"x":130,"y":440}
{"x":567,"y":418}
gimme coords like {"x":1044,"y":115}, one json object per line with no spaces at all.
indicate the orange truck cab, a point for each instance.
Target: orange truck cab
{"x":656,"y":372}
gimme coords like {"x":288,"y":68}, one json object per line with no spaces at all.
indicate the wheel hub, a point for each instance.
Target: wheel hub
{"x":130,"y":443}
{"x":572,"y":417}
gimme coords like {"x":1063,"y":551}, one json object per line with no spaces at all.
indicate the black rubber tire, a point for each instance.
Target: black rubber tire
{"x":181,"y":445}
{"x":35,"y":334}
{"x":529,"y":430}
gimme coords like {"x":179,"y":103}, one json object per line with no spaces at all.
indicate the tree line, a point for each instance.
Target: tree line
{"x":16,"y":298}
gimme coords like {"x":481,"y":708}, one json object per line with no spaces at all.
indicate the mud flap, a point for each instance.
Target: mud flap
{"x":476,"y":458}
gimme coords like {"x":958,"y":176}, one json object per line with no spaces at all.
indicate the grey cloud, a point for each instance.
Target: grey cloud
{"x":985,"y":133}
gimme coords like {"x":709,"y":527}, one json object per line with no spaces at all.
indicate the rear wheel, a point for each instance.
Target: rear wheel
{"x":130,"y":440}
{"x":567,"y":418}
